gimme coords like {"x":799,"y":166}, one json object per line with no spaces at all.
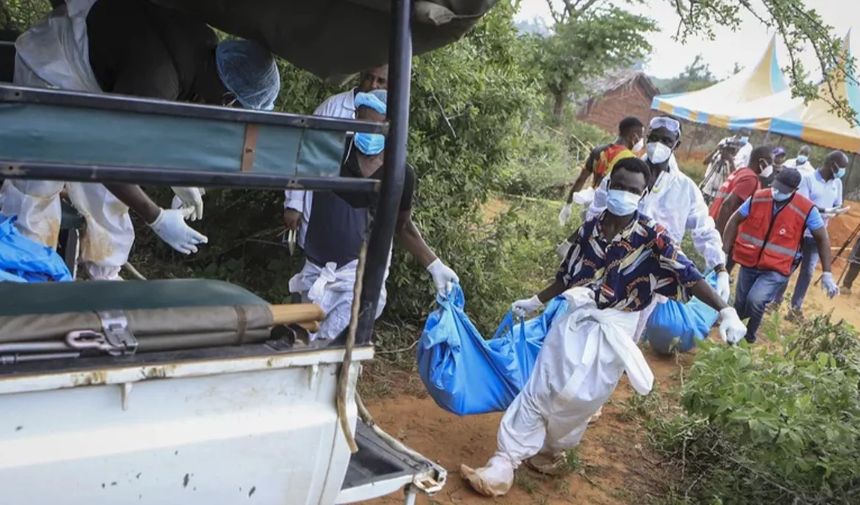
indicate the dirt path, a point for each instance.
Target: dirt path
{"x":617,"y":465}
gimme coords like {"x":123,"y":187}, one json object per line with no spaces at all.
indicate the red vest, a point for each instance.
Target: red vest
{"x":770,"y":242}
{"x":728,"y":187}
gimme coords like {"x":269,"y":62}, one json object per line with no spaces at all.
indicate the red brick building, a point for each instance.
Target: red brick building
{"x":617,"y":97}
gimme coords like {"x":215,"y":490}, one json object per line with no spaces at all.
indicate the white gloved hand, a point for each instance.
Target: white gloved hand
{"x":830,"y":287}
{"x":521,"y":308}
{"x":443,"y":277}
{"x":191,"y":198}
{"x":170,"y":227}
{"x":731,"y":328}
{"x":564,"y":215}
{"x":724,"y":288}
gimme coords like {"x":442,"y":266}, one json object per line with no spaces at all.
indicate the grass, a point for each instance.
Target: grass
{"x":526,"y":482}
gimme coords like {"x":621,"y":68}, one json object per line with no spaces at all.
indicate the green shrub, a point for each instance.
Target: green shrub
{"x":767,"y":427}
{"x":552,"y":158}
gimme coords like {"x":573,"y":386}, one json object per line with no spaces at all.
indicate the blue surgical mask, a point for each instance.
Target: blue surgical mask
{"x":744,"y":140}
{"x":369,"y":144}
{"x":779,"y":196}
{"x":840,"y":172}
{"x":801,"y":159}
{"x":622,"y":203}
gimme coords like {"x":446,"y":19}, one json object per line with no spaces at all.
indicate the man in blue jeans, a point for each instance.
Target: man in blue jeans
{"x":824,"y":188}
{"x":764,"y":237}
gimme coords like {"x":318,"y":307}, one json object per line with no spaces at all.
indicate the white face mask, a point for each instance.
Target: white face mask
{"x":639,"y":145}
{"x":622,"y":203}
{"x":658,"y":152}
{"x":766,"y":171}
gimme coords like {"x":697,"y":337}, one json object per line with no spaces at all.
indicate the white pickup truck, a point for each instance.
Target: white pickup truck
{"x":195,"y":391}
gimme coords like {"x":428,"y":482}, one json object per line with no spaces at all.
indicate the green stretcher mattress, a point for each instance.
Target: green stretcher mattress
{"x":60,"y":297}
{"x":162,"y":315}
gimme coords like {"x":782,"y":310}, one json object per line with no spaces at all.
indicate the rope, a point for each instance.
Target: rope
{"x":343,"y":378}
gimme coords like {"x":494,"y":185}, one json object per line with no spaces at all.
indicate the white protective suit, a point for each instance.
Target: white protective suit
{"x":584,"y":355}
{"x":55,"y":53}
{"x":677,"y":204}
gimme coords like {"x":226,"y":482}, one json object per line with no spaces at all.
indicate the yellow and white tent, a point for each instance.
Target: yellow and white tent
{"x":726,"y":102}
{"x":759,"y":98}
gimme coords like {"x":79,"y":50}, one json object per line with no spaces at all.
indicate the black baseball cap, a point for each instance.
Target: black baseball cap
{"x":787,"y":180}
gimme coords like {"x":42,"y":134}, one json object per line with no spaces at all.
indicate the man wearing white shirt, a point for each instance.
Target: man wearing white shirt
{"x":824,"y":188}
{"x":675,"y":202}
{"x":801,"y":162}
{"x":341,"y":105}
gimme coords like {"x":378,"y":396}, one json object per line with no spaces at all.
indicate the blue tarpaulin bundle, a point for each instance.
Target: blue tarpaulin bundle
{"x":24,"y":260}
{"x":675,"y":326}
{"x":466,"y":374}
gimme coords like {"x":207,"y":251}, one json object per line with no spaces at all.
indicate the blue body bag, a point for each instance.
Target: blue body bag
{"x":24,"y":260}
{"x":675,"y":326}
{"x":466,"y":374}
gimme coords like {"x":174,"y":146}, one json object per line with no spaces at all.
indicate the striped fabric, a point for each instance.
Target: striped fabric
{"x":626,"y":272}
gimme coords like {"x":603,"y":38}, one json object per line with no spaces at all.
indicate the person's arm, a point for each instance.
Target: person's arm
{"x":703,"y":291}
{"x":729,"y":206}
{"x":706,"y":238}
{"x":410,"y":237}
{"x":822,"y":240}
{"x":136,"y":199}
{"x":548,"y":293}
{"x":731,"y":232}
{"x":578,"y":183}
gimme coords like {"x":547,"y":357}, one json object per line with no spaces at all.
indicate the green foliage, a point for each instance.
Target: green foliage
{"x":17,"y":15}
{"x":696,"y":75}
{"x":585,"y":45}
{"x":552,"y":157}
{"x":766,"y":427}
{"x":820,"y":336}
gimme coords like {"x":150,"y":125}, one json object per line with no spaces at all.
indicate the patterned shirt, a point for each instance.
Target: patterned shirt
{"x":626,"y":272}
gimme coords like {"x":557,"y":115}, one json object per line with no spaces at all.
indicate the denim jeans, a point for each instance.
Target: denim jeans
{"x":853,"y":266}
{"x":756,"y":288}
{"x":807,"y":270}
{"x":807,"y":264}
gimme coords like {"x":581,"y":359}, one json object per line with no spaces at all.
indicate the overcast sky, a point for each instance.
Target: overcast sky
{"x":744,"y":46}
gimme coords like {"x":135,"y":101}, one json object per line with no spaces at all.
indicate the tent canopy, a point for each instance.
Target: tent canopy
{"x":716,"y":105}
{"x":817,"y":123}
{"x":335,"y":37}
{"x":760,"y":99}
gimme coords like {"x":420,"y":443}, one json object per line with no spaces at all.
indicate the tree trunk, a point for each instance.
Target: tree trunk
{"x":559,"y":100}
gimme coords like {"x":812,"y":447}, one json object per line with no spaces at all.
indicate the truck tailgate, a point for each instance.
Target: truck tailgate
{"x":381,"y":467}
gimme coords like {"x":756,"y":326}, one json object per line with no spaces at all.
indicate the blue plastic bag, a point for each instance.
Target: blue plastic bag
{"x":466,"y":374}
{"x":24,"y":260}
{"x":522,"y":340}
{"x":675,"y":326}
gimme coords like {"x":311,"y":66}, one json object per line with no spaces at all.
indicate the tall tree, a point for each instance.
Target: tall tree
{"x":695,"y":76}
{"x":588,"y":40}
